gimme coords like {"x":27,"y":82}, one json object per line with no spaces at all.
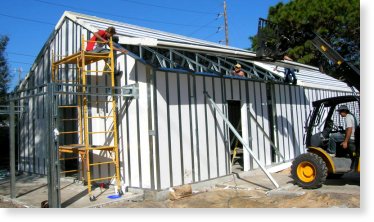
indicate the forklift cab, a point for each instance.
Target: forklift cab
{"x":310,"y":170}
{"x":325,"y":120}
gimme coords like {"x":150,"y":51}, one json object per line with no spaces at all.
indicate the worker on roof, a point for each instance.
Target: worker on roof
{"x":100,"y":39}
{"x":289,"y":73}
{"x":98,"y":43}
{"x":238,"y":70}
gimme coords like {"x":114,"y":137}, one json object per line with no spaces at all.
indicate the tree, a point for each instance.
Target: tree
{"x":4,"y":69}
{"x":336,"y":21}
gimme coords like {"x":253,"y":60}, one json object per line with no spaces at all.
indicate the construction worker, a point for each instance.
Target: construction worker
{"x":98,"y":43}
{"x":289,"y":73}
{"x":347,"y":138}
{"x":100,"y":39}
{"x":238,"y":70}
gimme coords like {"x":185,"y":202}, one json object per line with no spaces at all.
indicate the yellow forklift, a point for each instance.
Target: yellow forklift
{"x":310,"y":170}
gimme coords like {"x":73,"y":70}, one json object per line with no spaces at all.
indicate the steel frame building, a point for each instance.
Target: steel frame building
{"x":170,"y":135}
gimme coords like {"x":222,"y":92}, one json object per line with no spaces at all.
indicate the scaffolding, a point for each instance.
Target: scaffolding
{"x":76,"y":122}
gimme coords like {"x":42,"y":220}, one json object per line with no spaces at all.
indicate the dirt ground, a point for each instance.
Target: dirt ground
{"x":336,"y":193}
{"x":250,"y":199}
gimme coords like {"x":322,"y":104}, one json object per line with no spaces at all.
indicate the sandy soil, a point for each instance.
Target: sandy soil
{"x":220,"y":198}
{"x":336,"y":193}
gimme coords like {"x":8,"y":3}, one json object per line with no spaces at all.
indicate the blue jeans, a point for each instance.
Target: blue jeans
{"x":290,"y":75}
{"x":99,"y":49}
{"x":336,"y":138}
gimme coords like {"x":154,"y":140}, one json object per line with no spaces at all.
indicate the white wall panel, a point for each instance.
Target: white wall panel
{"x":265,"y":117}
{"x":133,"y":132}
{"x":288,"y":120}
{"x":260,"y":149}
{"x":244,"y":122}
{"x":186,"y":129}
{"x":123,"y":115}
{"x":202,"y":149}
{"x":195,"y":139}
{"x":220,"y":130}
{"x":254,"y":132}
{"x":143,"y":126}
{"x":174,"y":136}
{"x":211,"y":131}
{"x":235,"y":89}
{"x":163,"y":130}
{"x":228,"y":89}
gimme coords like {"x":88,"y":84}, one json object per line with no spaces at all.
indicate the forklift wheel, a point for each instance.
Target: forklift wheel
{"x":309,"y":171}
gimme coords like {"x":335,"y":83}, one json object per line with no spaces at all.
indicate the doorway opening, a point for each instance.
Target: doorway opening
{"x":236,"y":147}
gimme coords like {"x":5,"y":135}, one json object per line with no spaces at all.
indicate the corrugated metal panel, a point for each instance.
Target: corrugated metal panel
{"x":310,"y":78}
{"x":125,"y":29}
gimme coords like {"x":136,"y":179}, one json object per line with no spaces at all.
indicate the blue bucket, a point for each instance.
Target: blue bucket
{"x":115,"y":196}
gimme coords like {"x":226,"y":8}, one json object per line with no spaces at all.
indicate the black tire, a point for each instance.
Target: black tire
{"x":309,"y":171}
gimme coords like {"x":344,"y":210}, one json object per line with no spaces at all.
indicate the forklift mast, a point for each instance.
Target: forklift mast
{"x":274,"y":42}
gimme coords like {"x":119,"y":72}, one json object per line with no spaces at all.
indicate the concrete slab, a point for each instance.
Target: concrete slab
{"x":31,"y":191}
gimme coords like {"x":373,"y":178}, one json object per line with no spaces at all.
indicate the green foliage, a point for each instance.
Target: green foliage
{"x":4,"y":70}
{"x":336,"y":21}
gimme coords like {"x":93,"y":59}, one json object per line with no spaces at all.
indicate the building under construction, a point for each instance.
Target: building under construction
{"x":157,"y":124}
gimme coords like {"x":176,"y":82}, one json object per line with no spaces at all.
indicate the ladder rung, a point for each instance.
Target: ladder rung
{"x":68,"y":119}
{"x":104,"y":71}
{"x":64,"y":81}
{"x":102,"y":178}
{"x":62,"y":107}
{"x":101,"y":132}
{"x":69,"y":158}
{"x":100,"y":101}
{"x":97,"y":56}
{"x":92,"y":117}
{"x":101,"y":147}
{"x":101,"y":163}
{"x":94,"y":71}
{"x":69,"y":132}
{"x":69,"y":171}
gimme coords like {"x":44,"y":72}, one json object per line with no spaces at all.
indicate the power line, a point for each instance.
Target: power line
{"x":26,"y":19}
{"x":21,"y":54}
{"x":169,"y":8}
{"x":204,"y":26}
{"x":18,"y":62}
{"x":210,"y":35}
{"x":114,"y":15}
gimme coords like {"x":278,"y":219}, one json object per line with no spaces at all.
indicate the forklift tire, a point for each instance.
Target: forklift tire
{"x":309,"y":171}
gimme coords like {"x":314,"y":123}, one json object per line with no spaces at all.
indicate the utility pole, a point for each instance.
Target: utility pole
{"x":226,"y":24}
{"x":19,"y":74}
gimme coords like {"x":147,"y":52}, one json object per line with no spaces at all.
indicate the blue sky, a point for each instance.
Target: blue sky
{"x":28,"y":23}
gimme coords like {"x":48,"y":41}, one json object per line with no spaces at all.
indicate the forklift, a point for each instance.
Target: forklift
{"x":310,"y":170}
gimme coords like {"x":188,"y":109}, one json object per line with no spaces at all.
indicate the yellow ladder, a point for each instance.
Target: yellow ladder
{"x":85,"y":149}
{"x":237,"y":149}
